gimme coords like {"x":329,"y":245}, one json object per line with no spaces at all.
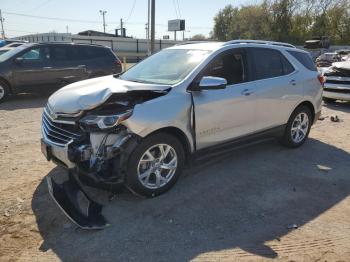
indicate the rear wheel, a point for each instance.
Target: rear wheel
{"x":4,"y":91}
{"x":298,"y":127}
{"x":155,"y":165}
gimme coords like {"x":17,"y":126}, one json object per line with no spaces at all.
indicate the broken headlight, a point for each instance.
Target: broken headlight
{"x":103,"y":122}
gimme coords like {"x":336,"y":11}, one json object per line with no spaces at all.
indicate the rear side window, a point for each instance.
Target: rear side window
{"x":304,"y":59}
{"x":59,"y":53}
{"x":270,"y":63}
{"x":95,"y":52}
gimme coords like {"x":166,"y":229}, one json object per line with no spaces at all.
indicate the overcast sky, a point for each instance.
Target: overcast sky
{"x":197,"y":13}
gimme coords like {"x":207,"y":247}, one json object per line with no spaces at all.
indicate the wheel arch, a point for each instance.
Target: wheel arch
{"x":180,"y":135}
{"x":2,"y":79}
{"x":309,"y":105}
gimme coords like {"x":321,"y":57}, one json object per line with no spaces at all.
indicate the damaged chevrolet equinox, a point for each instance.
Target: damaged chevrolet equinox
{"x":141,"y":127}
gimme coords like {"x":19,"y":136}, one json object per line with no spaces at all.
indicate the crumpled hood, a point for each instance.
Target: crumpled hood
{"x":88,"y":94}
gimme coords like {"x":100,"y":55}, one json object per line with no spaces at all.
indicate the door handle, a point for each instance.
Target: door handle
{"x":47,"y":67}
{"x":247,"y":92}
{"x":293,"y":82}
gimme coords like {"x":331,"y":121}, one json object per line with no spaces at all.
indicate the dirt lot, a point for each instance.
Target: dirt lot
{"x":239,"y":206}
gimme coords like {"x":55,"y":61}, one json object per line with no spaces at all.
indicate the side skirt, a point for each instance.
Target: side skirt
{"x":240,"y":142}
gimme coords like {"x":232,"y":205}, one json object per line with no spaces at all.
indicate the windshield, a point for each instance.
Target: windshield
{"x":166,"y":67}
{"x":11,"y":53}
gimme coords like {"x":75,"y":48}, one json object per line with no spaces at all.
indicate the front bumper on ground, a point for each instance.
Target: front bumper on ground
{"x":76,"y":204}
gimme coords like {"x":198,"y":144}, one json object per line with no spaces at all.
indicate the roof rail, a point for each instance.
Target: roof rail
{"x":262,"y":42}
{"x":195,"y":42}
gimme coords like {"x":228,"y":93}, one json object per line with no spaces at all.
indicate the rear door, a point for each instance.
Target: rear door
{"x":224,"y":114}
{"x":278,"y":87}
{"x":100,"y":61}
{"x":32,"y":67}
{"x":67,"y":66}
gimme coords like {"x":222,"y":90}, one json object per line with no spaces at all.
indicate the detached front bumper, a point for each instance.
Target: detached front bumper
{"x":107,"y":173}
{"x":76,"y":204}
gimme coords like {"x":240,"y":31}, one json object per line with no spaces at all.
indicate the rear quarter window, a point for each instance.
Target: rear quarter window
{"x":304,"y":58}
{"x":269,"y":63}
{"x":96,"y":52}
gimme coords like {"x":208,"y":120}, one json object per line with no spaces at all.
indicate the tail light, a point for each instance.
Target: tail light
{"x":118,"y":63}
{"x":322,"y":79}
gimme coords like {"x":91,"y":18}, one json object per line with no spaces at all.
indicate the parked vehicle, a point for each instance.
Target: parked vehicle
{"x":317,"y":42}
{"x":337,"y":84}
{"x":37,"y":66}
{"x":141,"y":127}
{"x":9,"y":41}
{"x":9,"y":47}
{"x":326,"y":59}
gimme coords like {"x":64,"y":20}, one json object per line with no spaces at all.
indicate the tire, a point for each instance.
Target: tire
{"x":328,"y":100}
{"x":156,"y":178}
{"x":296,"y":137}
{"x":4,"y":91}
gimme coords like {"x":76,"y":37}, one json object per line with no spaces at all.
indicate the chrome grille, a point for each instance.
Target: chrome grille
{"x":59,"y":133}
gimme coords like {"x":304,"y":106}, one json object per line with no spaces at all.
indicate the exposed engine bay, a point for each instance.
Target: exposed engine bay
{"x":94,"y":147}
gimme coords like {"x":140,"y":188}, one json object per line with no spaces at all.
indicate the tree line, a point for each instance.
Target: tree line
{"x":293,"y":21}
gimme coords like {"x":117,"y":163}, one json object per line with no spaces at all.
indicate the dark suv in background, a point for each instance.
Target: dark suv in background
{"x":37,"y":66}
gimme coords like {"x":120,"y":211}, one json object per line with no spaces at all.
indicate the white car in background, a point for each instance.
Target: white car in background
{"x":337,"y":82}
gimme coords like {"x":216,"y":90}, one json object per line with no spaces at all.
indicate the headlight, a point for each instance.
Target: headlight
{"x":104,"y":122}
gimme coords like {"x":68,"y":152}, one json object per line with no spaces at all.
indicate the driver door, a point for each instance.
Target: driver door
{"x":33,"y":68}
{"x":224,"y":114}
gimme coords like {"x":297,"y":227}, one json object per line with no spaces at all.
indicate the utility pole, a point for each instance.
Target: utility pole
{"x":148,"y":27}
{"x":121,"y":27}
{"x":103,"y":13}
{"x":153,"y":22}
{"x":67,"y":29}
{"x":2,"y":25}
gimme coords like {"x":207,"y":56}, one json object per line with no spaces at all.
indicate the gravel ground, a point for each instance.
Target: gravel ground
{"x":258,"y":203}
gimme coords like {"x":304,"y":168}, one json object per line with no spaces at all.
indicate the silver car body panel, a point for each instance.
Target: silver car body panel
{"x":88,"y":94}
{"x":220,"y":115}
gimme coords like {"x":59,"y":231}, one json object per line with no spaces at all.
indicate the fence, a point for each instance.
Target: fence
{"x":132,"y":49}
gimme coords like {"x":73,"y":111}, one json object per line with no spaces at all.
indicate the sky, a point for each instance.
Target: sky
{"x":197,"y":13}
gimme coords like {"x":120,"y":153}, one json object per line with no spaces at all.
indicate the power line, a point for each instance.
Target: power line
{"x":178,"y":6}
{"x":53,"y":18}
{"x":175,"y":8}
{"x":131,"y":12}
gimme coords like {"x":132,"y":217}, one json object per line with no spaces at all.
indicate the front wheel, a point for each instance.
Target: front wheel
{"x":298,"y":127}
{"x":4,"y":91}
{"x":155,"y":165}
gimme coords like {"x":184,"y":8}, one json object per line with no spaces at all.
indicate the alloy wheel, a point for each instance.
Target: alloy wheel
{"x":2,"y":92}
{"x":300,"y":127}
{"x":157,"y":166}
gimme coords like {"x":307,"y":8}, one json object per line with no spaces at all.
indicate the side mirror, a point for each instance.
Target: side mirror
{"x":19,"y":60}
{"x":211,"y":82}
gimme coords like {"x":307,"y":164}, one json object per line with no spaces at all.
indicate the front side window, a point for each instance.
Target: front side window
{"x":32,"y":54}
{"x":168,"y":67}
{"x":230,"y":66}
{"x":269,"y":63}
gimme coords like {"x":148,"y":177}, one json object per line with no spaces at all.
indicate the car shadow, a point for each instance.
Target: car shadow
{"x":25,"y":100}
{"x":237,"y":200}
{"x":339,"y":106}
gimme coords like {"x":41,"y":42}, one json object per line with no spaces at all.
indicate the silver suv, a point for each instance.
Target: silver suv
{"x":141,"y":127}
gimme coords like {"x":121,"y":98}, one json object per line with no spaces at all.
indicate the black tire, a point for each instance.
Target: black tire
{"x":4,"y":91}
{"x":133,"y":182}
{"x":328,"y":100}
{"x":287,"y":139}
